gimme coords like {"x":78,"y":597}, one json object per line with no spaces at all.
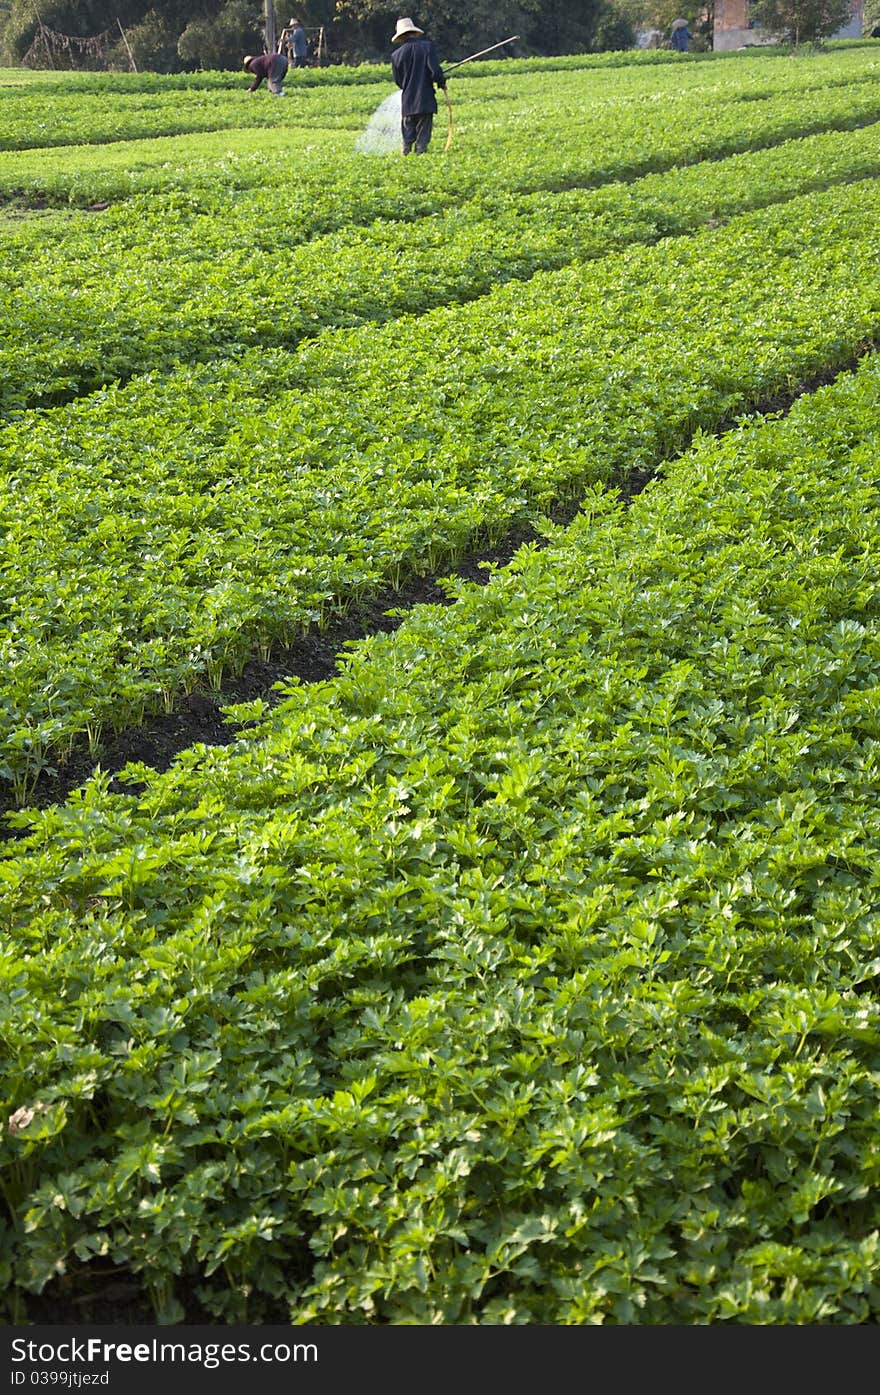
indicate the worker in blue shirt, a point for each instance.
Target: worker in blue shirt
{"x":680,"y":36}
{"x":294,"y":43}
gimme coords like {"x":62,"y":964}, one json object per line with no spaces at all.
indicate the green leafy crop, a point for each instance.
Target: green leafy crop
{"x":526,"y":971}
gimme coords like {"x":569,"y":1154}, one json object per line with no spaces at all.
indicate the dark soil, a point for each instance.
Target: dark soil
{"x":91,"y":1295}
{"x":99,"y":1293}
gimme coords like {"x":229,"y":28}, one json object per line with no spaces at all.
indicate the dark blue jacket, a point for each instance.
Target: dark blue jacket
{"x":417,"y":72}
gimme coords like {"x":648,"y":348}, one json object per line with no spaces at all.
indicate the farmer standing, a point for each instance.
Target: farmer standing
{"x":680,"y":36}
{"x":417,"y":72}
{"x":271,"y":66}
{"x":294,"y":41}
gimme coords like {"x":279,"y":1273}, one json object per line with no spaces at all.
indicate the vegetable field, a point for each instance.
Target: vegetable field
{"x":521,"y":964}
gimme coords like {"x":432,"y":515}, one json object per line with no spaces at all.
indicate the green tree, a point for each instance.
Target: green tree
{"x":153,"y":43}
{"x":167,"y":35}
{"x":220,"y":42}
{"x":217,"y":31}
{"x":871,"y":16}
{"x":459,"y":27}
{"x":614,"y":30}
{"x":801,"y":21}
{"x":456,"y":28}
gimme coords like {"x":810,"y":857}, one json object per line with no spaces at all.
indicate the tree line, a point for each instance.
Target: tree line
{"x":169,"y":36}
{"x":181,"y":35}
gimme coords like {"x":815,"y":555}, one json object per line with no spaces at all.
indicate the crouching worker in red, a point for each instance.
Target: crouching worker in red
{"x":271,"y":66}
{"x":417,"y":72}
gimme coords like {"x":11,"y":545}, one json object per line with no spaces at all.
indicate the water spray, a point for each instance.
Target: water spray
{"x":383,"y":129}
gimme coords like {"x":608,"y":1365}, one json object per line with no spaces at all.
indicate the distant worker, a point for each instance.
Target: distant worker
{"x":271,"y":66}
{"x":680,"y":36}
{"x":294,"y":43}
{"x":417,"y":72}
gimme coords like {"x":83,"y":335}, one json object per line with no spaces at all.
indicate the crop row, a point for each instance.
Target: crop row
{"x":32,"y":119}
{"x":33,"y":122}
{"x":25,"y":82}
{"x":92,"y":310}
{"x":93,"y":323}
{"x":155,"y":535}
{"x":82,"y":175}
{"x":486,"y":107}
{"x":210,"y":175}
{"x":525,"y":972}
{"x":72,"y":109}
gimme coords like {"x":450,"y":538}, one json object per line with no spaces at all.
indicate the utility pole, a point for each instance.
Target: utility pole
{"x":269,"y":25}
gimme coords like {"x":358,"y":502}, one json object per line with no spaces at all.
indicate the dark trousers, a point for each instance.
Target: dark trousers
{"x":416,"y":131}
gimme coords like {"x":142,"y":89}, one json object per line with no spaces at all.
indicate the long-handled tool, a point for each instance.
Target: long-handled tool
{"x":452,"y":66}
{"x":490,"y":49}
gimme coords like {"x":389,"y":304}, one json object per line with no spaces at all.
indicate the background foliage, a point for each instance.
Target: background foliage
{"x":801,"y":21}
{"x":168,"y":35}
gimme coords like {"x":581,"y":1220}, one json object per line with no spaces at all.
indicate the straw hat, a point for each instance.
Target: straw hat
{"x":405,"y":27}
{"x":248,"y":60}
